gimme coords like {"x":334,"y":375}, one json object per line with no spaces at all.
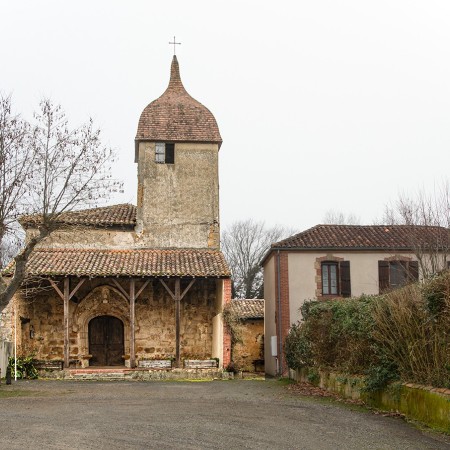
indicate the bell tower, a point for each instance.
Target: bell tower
{"x":176,"y":149}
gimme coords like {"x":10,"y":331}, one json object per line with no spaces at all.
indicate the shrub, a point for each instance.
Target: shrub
{"x":25,"y":367}
{"x":404,"y":334}
{"x":334,"y":334}
{"x":436,"y":293}
{"x":298,"y":348}
{"x":414,"y":336}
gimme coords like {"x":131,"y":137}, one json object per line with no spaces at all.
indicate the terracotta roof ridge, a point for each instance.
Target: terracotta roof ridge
{"x":124,"y":250}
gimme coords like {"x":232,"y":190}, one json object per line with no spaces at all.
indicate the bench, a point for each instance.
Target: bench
{"x":155,"y":363}
{"x":258,"y":363}
{"x":56,"y":364}
{"x":200,"y":364}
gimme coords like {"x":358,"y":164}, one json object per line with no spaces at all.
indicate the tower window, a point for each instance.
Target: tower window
{"x":165,"y":153}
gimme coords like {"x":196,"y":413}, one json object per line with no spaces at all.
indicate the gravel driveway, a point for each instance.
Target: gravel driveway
{"x":192,"y":415}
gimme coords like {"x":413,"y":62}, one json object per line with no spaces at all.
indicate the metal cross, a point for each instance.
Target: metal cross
{"x":174,"y":43}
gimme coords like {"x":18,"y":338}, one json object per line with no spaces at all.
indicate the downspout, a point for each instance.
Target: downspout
{"x":280,"y":342}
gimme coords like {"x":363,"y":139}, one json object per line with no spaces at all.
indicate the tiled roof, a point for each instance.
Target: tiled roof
{"x":177,"y":117}
{"x":248,"y":309}
{"x":103,"y":263}
{"x":122,"y":215}
{"x":382,"y":237}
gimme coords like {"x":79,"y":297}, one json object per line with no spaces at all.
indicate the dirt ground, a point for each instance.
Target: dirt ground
{"x":193,"y":415}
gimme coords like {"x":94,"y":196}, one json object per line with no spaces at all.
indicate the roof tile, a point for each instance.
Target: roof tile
{"x":383,"y":237}
{"x":145,"y":262}
{"x":177,"y":117}
{"x":123,"y":214}
{"x":248,"y":309}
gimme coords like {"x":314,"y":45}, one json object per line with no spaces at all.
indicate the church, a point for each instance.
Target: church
{"x":145,"y":285}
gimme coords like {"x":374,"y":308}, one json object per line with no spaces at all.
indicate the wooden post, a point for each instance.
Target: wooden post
{"x":132,"y":324}
{"x":177,"y":322}
{"x":177,"y":297}
{"x":66,"y":322}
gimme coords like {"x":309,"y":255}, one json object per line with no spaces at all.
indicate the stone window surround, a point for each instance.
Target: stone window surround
{"x":318,"y":267}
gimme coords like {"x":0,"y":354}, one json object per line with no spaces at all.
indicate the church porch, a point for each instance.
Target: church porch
{"x":126,"y":321}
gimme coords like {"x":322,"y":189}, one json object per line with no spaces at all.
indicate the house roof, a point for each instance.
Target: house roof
{"x":176,"y":116}
{"x":115,"y":215}
{"x":248,"y":309}
{"x":139,"y":263}
{"x":367,"y":237}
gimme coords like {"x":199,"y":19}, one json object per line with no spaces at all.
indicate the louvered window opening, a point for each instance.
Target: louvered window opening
{"x":165,"y":153}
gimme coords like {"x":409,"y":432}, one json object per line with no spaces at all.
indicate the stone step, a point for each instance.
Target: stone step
{"x":96,"y":376}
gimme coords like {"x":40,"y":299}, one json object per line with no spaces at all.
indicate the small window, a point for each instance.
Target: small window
{"x":165,"y":153}
{"x":394,"y":274}
{"x":329,"y":278}
{"x":398,"y":274}
{"x":336,"y":278}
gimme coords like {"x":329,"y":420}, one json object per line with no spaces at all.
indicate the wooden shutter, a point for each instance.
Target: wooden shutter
{"x":413,"y":271}
{"x":383,"y":275}
{"x":344,"y":273}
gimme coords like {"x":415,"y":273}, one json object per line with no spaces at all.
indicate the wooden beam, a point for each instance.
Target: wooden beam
{"x":121,"y":289}
{"x":132,"y":299}
{"x":187,"y":289}
{"x":56,"y":288}
{"x":139,"y":292}
{"x":66,"y":322}
{"x":80,"y":283}
{"x":177,"y":298}
{"x":167,"y":289}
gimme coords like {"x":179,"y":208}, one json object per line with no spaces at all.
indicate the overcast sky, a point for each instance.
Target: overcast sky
{"x":321,"y":104}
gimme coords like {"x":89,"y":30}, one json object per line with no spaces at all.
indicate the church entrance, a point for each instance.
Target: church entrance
{"x":106,"y":341}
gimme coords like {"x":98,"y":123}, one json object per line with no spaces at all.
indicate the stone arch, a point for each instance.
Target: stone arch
{"x":103,"y":300}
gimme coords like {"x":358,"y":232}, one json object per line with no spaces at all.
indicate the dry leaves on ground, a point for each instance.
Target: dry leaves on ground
{"x":309,"y":390}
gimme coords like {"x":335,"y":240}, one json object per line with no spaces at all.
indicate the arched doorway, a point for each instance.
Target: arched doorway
{"x":106,"y":341}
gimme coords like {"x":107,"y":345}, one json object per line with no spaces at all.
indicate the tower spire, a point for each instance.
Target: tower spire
{"x":175,"y":83}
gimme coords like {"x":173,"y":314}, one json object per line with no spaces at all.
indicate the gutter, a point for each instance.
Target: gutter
{"x":280,"y":341}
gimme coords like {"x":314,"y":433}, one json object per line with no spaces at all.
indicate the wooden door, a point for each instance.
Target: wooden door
{"x":106,"y":341}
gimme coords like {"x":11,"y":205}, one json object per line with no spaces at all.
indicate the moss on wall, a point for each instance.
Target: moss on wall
{"x":428,"y":405}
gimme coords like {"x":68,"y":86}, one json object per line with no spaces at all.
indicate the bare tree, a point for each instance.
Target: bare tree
{"x":65,"y":168}
{"x":424,"y":209}
{"x":17,"y":156}
{"x":244,"y":244}
{"x":333,"y":217}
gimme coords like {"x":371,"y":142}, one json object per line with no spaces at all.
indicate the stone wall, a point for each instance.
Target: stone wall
{"x":426,"y":404}
{"x":6,"y":323}
{"x":252,"y":347}
{"x":41,"y":327}
{"x":178,"y":204}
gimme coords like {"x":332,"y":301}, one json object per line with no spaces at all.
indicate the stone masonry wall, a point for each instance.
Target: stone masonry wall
{"x":155,"y":320}
{"x":252,"y":346}
{"x":178,"y":204}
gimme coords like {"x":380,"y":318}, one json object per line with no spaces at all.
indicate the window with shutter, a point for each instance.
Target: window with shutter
{"x":383,"y":275}
{"x":165,"y":153}
{"x":344,"y":272}
{"x":394,"y":274}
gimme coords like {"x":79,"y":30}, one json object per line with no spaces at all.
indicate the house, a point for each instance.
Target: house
{"x":124,"y":285}
{"x":248,"y":354}
{"x":334,"y":261}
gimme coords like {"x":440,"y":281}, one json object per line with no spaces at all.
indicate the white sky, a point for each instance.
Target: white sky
{"x":321,"y":104}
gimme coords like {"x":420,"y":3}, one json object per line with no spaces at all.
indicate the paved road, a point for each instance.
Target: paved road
{"x":188,"y":415}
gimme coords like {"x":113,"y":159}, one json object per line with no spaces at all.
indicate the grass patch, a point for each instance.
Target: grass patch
{"x":7,"y":393}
